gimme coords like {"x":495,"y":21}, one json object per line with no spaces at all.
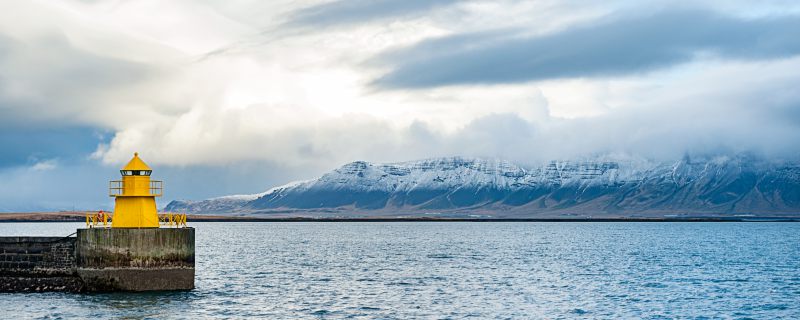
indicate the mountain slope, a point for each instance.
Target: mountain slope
{"x":597,"y":187}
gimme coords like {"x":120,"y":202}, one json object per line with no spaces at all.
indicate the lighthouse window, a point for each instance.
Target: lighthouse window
{"x":135,"y":172}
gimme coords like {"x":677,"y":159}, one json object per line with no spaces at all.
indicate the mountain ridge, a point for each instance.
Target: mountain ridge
{"x":459,"y":186}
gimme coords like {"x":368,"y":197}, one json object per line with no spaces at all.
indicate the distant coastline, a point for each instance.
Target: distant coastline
{"x":68,"y":216}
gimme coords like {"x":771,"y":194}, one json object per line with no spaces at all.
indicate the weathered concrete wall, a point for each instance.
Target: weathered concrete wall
{"x":136,"y":259}
{"x":137,"y":279}
{"x":99,"y":259}
{"x":38,"y":264}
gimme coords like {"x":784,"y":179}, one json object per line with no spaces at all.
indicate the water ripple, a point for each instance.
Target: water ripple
{"x":462,"y":270}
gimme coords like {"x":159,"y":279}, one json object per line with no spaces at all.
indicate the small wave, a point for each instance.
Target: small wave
{"x":369,"y":309}
{"x":579,"y":311}
{"x":440,"y":256}
{"x":654,"y":285}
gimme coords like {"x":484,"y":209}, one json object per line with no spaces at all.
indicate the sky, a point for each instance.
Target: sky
{"x":237,"y":96}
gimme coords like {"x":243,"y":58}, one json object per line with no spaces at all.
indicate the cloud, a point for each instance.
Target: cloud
{"x":346,"y":12}
{"x":89,"y":84}
{"x":616,"y":46}
{"x":756,"y":110}
{"x":47,"y":80}
{"x":45,"y":165}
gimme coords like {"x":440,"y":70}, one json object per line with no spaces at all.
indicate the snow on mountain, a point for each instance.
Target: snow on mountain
{"x":224,"y":204}
{"x":603,"y":185}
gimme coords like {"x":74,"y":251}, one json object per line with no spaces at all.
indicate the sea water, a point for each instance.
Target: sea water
{"x":398,"y":270}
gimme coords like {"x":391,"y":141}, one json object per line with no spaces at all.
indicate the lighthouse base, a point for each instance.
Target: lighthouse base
{"x":135,"y":259}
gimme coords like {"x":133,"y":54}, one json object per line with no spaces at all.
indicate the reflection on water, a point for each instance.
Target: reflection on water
{"x":456,"y":270}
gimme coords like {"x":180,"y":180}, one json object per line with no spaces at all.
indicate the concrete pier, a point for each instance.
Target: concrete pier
{"x":99,"y":259}
{"x":135,"y":259}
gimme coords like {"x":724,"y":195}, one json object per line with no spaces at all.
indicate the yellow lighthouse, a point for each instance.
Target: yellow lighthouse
{"x":135,"y":196}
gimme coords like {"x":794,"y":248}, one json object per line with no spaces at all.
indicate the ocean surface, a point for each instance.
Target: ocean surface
{"x":438,"y":270}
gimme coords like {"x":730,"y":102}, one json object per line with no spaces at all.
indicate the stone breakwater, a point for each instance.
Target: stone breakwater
{"x":99,"y":260}
{"x":29,"y":264}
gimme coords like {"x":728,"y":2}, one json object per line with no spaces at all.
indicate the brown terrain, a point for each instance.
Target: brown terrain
{"x":73,"y":216}
{"x":80,"y":216}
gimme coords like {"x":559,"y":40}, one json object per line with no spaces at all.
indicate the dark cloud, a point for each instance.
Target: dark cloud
{"x":22,"y":146}
{"x":347,"y":12}
{"x":46,"y":80}
{"x":55,"y":59}
{"x":614,"y":47}
{"x":47,"y":86}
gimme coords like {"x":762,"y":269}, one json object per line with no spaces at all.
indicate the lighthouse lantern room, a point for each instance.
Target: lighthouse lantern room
{"x":135,"y":196}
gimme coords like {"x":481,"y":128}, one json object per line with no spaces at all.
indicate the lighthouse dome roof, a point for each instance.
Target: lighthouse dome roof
{"x":136,"y":164}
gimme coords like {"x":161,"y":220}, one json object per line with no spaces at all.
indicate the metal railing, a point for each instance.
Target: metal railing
{"x":117,"y":188}
{"x":102,"y":219}
{"x":156,"y":188}
{"x":98,"y":219}
{"x":171,"y":219}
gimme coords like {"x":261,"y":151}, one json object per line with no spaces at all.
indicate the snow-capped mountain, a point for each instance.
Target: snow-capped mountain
{"x":601,"y":186}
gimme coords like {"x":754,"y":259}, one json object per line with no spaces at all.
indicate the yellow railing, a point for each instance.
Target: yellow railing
{"x":117,"y":188}
{"x":103,"y":219}
{"x":98,"y":219}
{"x":156,"y":188}
{"x":171,"y":219}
